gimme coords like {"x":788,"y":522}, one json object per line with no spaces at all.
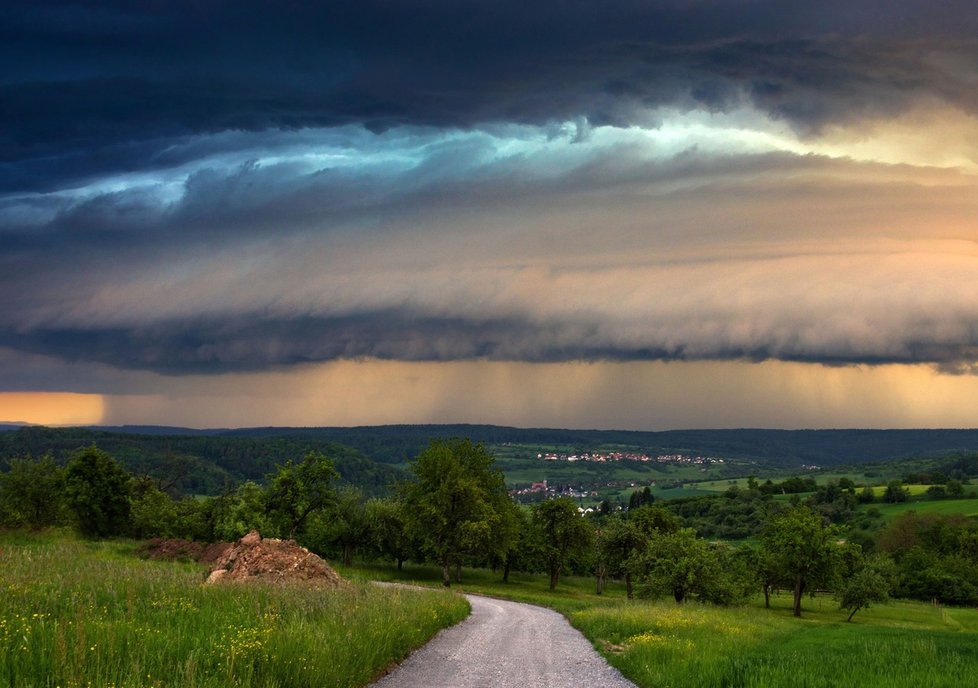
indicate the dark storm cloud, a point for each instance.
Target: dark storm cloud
{"x":257,"y":342}
{"x":107,"y":86}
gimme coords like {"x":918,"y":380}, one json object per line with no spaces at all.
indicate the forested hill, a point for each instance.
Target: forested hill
{"x":397,"y":443}
{"x":201,"y":463}
{"x":207,"y":459}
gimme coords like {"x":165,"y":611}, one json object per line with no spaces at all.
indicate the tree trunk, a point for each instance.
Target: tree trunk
{"x":679,"y":594}
{"x":554,"y":577}
{"x":799,"y":589}
{"x":506,"y":567}
{"x":400,"y":564}
{"x":348,"y":555}
{"x":628,"y":586}
{"x":446,"y":578}
{"x":853,"y":613}
{"x":599,"y":581}
{"x":458,"y":572}
{"x":767,"y":596}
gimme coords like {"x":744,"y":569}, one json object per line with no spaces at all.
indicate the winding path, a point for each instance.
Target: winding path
{"x":506,"y":645}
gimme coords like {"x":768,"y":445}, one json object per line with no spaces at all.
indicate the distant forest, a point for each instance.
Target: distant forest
{"x":199,"y":463}
{"x":207,"y":461}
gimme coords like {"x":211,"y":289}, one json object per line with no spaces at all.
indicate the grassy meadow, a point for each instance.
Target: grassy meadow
{"x":659,"y":644}
{"x":76,"y":613}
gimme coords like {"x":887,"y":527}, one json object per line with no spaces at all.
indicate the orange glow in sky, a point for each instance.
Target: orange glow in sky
{"x":51,"y":408}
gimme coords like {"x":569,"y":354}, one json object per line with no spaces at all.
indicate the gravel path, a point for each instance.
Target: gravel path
{"x":506,"y":645}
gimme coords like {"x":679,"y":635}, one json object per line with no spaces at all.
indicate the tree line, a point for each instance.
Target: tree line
{"x":453,"y":510}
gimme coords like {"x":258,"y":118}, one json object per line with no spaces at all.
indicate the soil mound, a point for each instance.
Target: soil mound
{"x":170,"y":549}
{"x":253,"y":558}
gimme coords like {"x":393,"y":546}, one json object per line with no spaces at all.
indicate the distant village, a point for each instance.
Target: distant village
{"x":603,"y":457}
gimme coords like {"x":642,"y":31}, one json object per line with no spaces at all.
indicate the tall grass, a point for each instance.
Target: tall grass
{"x":660,"y":644}
{"x":79,"y":614}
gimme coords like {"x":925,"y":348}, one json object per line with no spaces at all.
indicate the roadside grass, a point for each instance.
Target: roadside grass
{"x":76,"y":613}
{"x":657,"y":643}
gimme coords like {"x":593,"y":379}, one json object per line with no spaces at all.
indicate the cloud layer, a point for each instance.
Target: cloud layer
{"x":217,"y":188}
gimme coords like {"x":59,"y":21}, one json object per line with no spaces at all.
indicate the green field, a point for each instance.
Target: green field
{"x":964,"y":507}
{"x":657,"y":643}
{"x":76,"y":613}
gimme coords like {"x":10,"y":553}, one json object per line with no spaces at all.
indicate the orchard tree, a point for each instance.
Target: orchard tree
{"x":802,"y":549}
{"x":562,"y":534}
{"x":387,"y":530}
{"x":619,"y":540}
{"x":97,"y":492}
{"x":453,"y":502}
{"x":298,"y":490}
{"x":348,"y":525}
{"x":870,"y":582}
{"x":684,"y":565}
{"x":32,"y":492}
{"x":241,"y":511}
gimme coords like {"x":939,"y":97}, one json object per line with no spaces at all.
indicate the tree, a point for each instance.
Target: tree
{"x":32,"y":492}
{"x":683,"y":565}
{"x":895,"y":493}
{"x":870,"y":582}
{"x":97,"y":493}
{"x":348,"y":525}
{"x":387,"y":530}
{"x":452,"y":501}
{"x":562,"y":533}
{"x":242,"y":511}
{"x":621,"y":540}
{"x":867,"y":496}
{"x":802,"y":549}
{"x":618,"y":540}
{"x":153,"y":512}
{"x":297,"y":490}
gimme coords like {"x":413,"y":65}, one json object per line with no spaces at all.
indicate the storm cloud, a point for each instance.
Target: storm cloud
{"x":108,"y":87}
{"x":199,"y":189}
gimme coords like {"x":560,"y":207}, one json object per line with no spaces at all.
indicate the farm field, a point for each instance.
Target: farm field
{"x":76,"y":613}
{"x":964,"y":507}
{"x":657,"y":643}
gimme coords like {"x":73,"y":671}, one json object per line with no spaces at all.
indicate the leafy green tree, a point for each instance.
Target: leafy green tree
{"x":895,"y":493}
{"x":297,"y":490}
{"x":242,"y":511}
{"x":867,"y":495}
{"x":97,"y":493}
{"x":954,"y":488}
{"x":452,"y":502}
{"x":802,"y":549}
{"x":562,"y":533}
{"x":870,"y":582}
{"x":387,"y":529}
{"x":683,"y":565}
{"x":619,"y":541}
{"x":153,"y":512}
{"x":513,"y":539}
{"x":348,"y":525}
{"x":32,"y":492}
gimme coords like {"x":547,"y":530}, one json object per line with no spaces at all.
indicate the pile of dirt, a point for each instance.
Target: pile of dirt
{"x":170,"y":549}
{"x":255,"y":559}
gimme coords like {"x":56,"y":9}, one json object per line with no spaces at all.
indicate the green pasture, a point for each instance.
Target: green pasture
{"x":964,"y":507}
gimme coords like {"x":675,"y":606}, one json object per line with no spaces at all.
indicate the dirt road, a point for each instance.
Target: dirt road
{"x":506,"y":645}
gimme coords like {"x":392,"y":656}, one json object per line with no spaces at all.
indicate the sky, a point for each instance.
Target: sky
{"x":636,"y":215}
